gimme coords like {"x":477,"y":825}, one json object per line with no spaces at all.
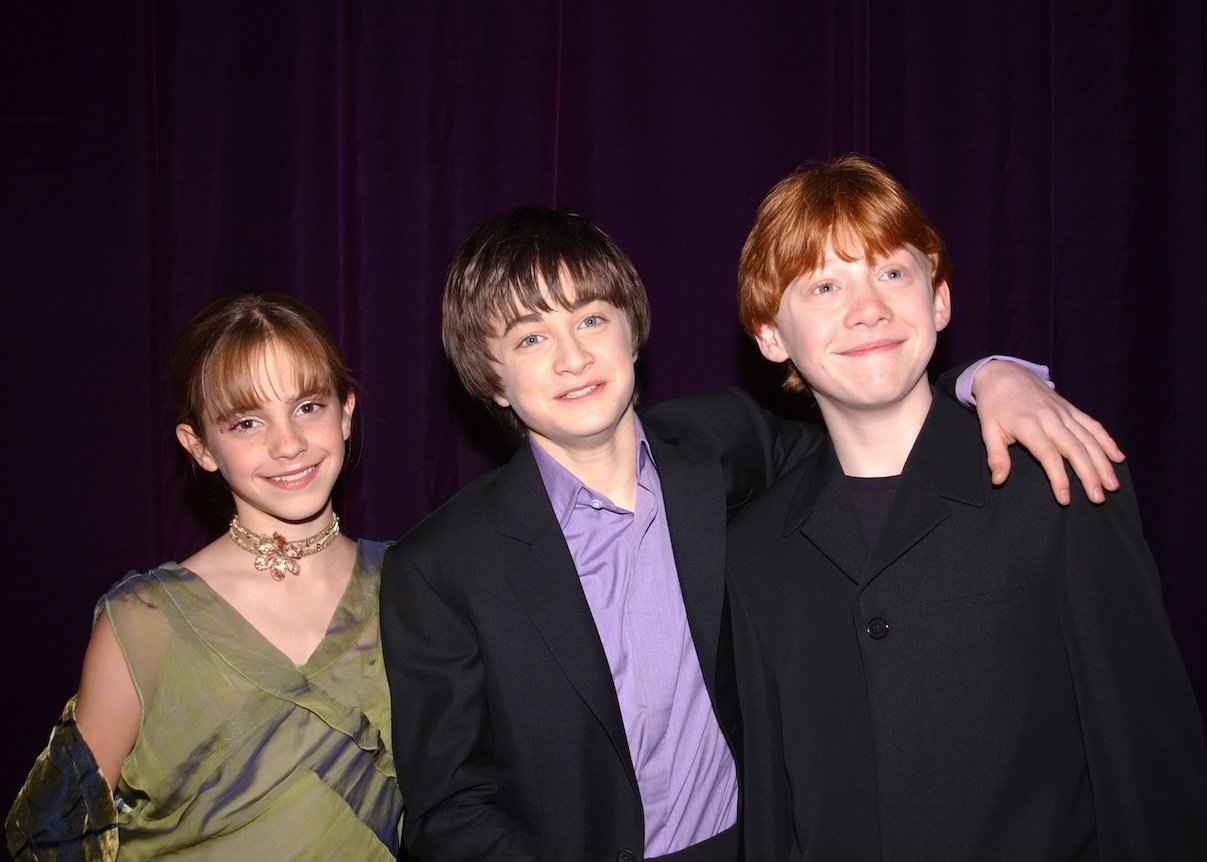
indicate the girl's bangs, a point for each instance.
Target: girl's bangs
{"x":235,"y":378}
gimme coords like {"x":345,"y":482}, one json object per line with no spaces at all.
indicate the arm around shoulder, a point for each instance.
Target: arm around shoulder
{"x":1014,"y":405}
{"x":754,"y":445}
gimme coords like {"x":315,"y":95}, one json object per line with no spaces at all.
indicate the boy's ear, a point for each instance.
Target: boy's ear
{"x":346,"y":419}
{"x":195,"y":446}
{"x":502,"y":401}
{"x":942,"y":306}
{"x":770,"y":344}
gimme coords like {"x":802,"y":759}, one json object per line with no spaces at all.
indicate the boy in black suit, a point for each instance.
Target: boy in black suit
{"x":553,"y":633}
{"x":930,"y":667}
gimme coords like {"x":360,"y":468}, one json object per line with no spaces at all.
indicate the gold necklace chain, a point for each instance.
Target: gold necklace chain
{"x":274,"y":553}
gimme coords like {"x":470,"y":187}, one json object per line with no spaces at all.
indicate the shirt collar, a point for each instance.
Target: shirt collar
{"x":565,"y":490}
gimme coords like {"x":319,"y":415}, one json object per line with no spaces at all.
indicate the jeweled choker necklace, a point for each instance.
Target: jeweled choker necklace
{"x":275,"y":554}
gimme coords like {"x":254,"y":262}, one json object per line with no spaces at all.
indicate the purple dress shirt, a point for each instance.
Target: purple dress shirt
{"x":686,"y":774}
{"x":964,"y":381}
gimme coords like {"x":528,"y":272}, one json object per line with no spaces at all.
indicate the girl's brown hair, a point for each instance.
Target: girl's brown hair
{"x":217,"y":355}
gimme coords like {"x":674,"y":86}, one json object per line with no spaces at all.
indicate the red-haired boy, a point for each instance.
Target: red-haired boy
{"x":931,"y":667}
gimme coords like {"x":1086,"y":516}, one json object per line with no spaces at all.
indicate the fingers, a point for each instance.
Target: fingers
{"x":1015,"y":406}
{"x":1050,"y":457}
{"x":1051,"y":442}
{"x":1089,"y":449}
{"x":1059,"y":437}
{"x":1055,"y":442}
{"x":1104,"y":441}
{"x":1094,"y":462}
{"x":1084,"y":465}
{"x":996,"y":444}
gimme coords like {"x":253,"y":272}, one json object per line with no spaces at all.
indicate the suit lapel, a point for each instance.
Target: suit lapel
{"x":941,"y":468}
{"x":935,"y":473}
{"x":542,"y":575}
{"x":693,"y":495}
{"x":821,"y":509}
{"x":906,"y":523}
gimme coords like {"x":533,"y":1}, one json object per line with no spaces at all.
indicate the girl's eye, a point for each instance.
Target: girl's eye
{"x":310,"y":407}
{"x":893,"y":273}
{"x":243,"y":425}
{"x":825,"y":287}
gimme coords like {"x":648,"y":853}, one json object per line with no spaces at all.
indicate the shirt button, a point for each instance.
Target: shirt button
{"x":877,"y":628}
{"x":597,"y":505}
{"x":626,"y":856}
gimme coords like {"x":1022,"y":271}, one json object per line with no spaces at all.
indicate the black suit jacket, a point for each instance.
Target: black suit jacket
{"x":506,"y":728}
{"x":994,"y":679}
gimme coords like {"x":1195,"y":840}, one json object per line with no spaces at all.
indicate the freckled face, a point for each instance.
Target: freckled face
{"x":282,"y":458}
{"x":861,"y":332}
{"x":568,"y":374}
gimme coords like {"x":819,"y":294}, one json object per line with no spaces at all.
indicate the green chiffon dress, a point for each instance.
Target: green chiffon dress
{"x":241,"y":754}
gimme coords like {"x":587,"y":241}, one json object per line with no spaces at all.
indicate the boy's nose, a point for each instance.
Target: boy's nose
{"x":572,"y":356}
{"x":867,"y":307}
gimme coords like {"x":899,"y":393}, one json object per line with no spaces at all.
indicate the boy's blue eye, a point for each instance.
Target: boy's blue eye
{"x":529,"y":340}
{"x":593,"y":320}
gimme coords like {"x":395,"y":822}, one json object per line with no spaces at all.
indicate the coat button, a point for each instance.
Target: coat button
{"x":877,"y":628}
{"x":626,"y":856}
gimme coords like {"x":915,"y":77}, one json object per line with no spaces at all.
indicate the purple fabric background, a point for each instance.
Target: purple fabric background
{"x":153,"y":154}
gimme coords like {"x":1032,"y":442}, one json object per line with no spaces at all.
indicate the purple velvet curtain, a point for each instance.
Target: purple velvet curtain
{"x":154,"y":154}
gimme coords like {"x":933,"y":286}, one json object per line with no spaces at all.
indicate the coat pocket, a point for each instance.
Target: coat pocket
{"x":960,"y":603}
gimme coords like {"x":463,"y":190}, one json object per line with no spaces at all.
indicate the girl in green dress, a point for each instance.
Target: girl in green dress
{"x":233,"y":705}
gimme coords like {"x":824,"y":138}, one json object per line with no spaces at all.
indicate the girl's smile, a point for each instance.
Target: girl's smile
{"x":281,"y":458}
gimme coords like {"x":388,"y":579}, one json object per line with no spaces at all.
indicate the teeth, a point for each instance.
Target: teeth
{"x":579,"y":393}
{"x":293,"y":477}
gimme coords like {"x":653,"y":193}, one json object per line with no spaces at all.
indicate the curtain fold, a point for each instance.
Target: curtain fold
{"x":155,"y":154}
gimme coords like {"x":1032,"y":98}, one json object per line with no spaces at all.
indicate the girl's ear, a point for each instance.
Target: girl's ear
{"x":195,"y":446}
{"x":348,"y":409}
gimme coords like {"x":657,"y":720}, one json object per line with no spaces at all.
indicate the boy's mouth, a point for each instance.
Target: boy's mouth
{"x":580,"y":393}
{"x":872,"y":347}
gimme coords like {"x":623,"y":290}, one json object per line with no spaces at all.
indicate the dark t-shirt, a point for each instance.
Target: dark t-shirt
{"x":871,"y":497}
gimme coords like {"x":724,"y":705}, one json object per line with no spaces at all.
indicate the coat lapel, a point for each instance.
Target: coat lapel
{"x":905,"y":524}
{"x":542,"y":575}
{"x":693,"y":495}
{"x":821,"y":509}
{"x":934,"y":474}
{"x":941,"y":468}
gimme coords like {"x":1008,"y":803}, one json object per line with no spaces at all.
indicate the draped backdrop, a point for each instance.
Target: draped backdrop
{"x":155,"y":154}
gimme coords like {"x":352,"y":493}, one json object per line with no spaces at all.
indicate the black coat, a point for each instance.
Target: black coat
{"x":507,"y":733}
{"x":993,"y":679}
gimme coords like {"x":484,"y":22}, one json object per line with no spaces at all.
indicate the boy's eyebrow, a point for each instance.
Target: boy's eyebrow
{"x":531,"y":317}
{"x":536,"y":316}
